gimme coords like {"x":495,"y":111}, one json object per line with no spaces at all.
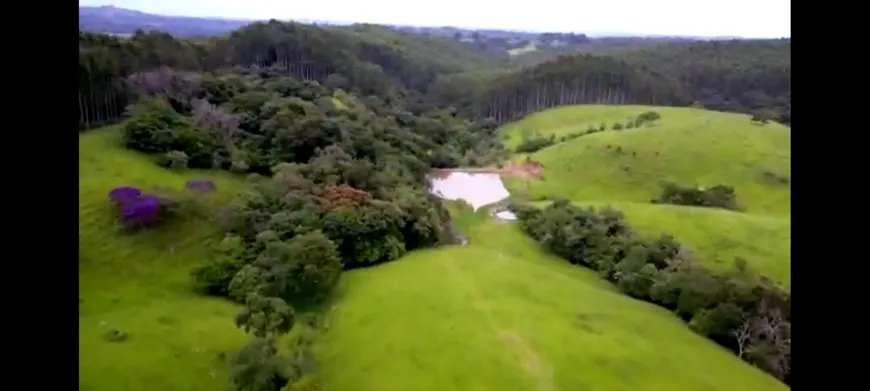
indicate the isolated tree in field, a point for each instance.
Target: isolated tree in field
{"x":265,"y":316}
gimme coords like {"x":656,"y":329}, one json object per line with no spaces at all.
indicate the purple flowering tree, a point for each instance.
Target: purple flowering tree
{"x":142,"y":211}
{"x":138,"y":210}
{"x":124,"y":194}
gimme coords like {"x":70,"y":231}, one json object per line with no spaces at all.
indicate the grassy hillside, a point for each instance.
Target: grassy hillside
{"x":687,"y":146}
{"x":140,"y":284}
{"x":566,"y":120}
{"x":716,"y":236}
{"x":499,"y":314}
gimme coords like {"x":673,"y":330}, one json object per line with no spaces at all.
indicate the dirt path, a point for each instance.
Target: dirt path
{"x":527,"y":169}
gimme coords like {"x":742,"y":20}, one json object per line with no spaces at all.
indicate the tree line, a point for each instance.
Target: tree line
{"x":743,"y":76}
{"x":578,"y":79}
{"x":738,"y":75}
{"x":740,"y":310}
{"x":752,"y":76}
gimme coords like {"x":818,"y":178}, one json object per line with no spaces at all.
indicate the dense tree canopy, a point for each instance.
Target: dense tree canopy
{"x":737,"y":75}
{"x":574,"y":80}
{"x":425,"y":72}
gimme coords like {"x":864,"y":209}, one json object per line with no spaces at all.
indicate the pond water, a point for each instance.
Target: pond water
{"x":477,"y":189}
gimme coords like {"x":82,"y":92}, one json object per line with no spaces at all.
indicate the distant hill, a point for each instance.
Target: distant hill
{"x":122,"y":21}
{"x":114,"y":20}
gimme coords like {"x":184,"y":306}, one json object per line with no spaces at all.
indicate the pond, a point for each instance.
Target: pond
{"x":477,"y":189}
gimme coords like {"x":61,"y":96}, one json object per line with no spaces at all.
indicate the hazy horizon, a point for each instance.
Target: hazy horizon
{"x":743,"y":18}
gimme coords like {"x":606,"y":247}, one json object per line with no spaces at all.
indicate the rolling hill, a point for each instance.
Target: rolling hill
{"x":500,"y":314}
{"x":140,"y":284}
{"x":496,"y":314}
{"x":122,"y":21}
{"x":687,"y":146}
{"x":624,"y":169}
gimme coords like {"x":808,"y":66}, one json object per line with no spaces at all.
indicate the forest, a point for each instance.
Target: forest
{"x":337,"y":128}
{"x":740,"y":76}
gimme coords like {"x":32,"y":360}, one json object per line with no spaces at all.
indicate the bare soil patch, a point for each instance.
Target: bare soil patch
{"x":528,"y":169}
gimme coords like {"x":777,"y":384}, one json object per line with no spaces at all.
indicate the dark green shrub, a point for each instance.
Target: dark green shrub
{"x":224,"y":261}
{"x":199,"y":147}
{"x":648,"y":117}
{"x":258,"y":367}
{"x":214,"y":276}
{"x":303,"y":269}
{"x":115,"y":335}
{"x":764,"y":116}
{"x":535,"y":144}
{"x":176,"y":160}
{"x":153,"y":126}
{"x":572,"y":136}
{"x":719,"y":196}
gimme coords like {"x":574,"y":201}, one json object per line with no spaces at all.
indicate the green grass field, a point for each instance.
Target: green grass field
{"x":566,"y":120}
{"x":140,"y":283}
{"x":688,"y":146}
{"x":499,"y":314}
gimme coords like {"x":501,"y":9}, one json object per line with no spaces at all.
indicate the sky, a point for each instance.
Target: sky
{"x":744,"y":18}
